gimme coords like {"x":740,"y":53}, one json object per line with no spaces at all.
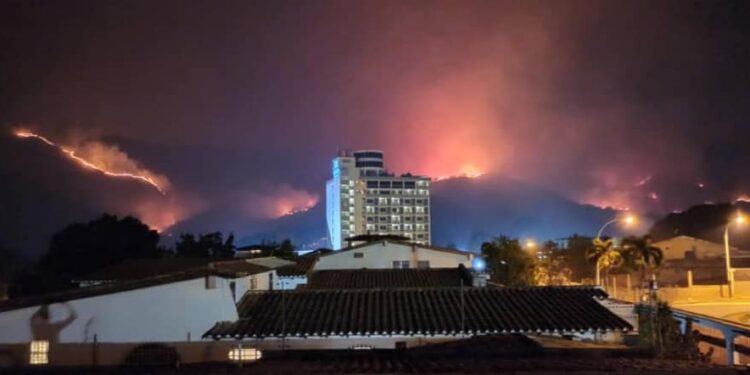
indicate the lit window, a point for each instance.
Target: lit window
{"x":362,"y":347}
{"x":244,"y":354}
{"x":38,"y":352}
{"x":401,"y":264}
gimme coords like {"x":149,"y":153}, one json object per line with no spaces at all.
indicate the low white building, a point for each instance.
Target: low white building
{"x":686,"y":247}
{"x":175,"y":307}
{"x":393,"y":254}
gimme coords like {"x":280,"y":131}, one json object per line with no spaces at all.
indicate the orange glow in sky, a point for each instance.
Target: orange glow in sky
{"x":100,"y":161}
{"x":467,"y":171}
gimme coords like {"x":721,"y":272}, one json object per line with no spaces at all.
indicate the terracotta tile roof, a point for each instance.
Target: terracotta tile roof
{"x":418,"y":312}
{"x":388,"y":278}
{"x":302,"y":267}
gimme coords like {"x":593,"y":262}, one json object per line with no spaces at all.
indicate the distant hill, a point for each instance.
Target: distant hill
{"x":465,"y":213}
{"x":41,"y":192}
{"x":706,"y":221}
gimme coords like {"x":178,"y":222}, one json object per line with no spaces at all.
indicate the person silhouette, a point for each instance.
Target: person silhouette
{"x":42,"y":329}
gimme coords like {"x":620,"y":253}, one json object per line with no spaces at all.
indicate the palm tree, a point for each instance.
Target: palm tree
{"x":604,"y":255}
{"x":641,"y":254}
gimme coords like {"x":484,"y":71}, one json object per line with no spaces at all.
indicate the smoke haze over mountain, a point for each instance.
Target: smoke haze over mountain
{"x":241,"y":105}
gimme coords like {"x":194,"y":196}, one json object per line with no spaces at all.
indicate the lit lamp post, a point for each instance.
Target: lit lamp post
{"x":530,"y":245}
{"x":739,"y":220}
{"x":628,"y":220}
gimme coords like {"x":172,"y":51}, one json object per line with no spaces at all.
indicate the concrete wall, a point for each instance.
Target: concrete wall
{"x":675,"y":248}
{"x":168,"y":312}
{"x":380,"y":255}
{"x":113,"y":354}
{"x":616,"y":287}
{"x":328,"y":343}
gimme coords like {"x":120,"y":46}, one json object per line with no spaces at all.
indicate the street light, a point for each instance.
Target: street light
{"x":629,"y":220}
{"x":739,"y":220}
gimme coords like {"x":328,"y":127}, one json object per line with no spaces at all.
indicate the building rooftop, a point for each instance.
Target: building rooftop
{"x":135,"y":269}
{"x":302,"y":266}
{"x":404,"y":243}
{"x":270,"y":261}
{"x":103,"y":289}
{"x":139,"y":269}
{"x":227,"y":269}
{"x":429,"y":311}
{"x":389,"y":278}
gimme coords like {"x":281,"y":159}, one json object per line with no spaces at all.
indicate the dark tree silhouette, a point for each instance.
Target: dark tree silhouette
{"x":508,"y":263}
{"x":10,"y":263}
{"x":82,"y":248}
{"x":286,"y":249}
{"x":576,"y":256}
{"x":209,"y":245}
{"x":641,"y":255}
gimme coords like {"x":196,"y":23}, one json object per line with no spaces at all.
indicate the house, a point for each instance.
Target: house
{"x":175,"y":307}
{"x":388,"y":254}
{"x":387,"y":318}
{"x":295,"y":275}
{"x":691,"y":248}
{"x":106,"y":324}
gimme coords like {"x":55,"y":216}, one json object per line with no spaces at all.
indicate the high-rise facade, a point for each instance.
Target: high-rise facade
{"x":363,"y":198}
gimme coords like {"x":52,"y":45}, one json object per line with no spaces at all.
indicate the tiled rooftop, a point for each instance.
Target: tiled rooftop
{"x":302,"y":267}
{"x":388,"y":278}
{"x":413,"y":311}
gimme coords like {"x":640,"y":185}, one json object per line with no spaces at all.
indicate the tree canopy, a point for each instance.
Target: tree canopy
{"x":508,"y":263}
{"x":82,"y":248}
{"x":209,"y":245}
{"x":640,"y":254}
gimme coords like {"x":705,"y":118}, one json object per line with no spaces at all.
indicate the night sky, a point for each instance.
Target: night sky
{"x":237,"y":107}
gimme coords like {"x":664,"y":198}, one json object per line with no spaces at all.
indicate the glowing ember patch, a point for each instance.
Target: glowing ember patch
{"x":643,"y":181}
{"x":289,"y":207}
{"x":281,"y":201}
{"x":468,"y":171}
{"x":100,"y":163}
{"x":653,"y":196}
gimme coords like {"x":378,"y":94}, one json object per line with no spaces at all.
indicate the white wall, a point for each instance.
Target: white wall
{"x":380,"y":255}
{"x":161,"y":313}
{"x":262,"y":282}
{"x":676,"y":247}
{"x":347,"y":342}
{"x":289,"y":282}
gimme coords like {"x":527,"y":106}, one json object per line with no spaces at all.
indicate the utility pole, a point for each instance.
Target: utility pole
{"x":463,"y":313}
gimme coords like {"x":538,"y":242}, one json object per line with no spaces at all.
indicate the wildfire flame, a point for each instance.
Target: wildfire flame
{"x":468,"y":171}
{"x":97,"y":165}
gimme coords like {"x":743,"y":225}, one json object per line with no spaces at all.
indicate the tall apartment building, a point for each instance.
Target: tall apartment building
{"x":363,"y":198}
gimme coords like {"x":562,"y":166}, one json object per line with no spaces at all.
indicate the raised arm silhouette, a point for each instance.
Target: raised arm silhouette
{"x":44,"y":329}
